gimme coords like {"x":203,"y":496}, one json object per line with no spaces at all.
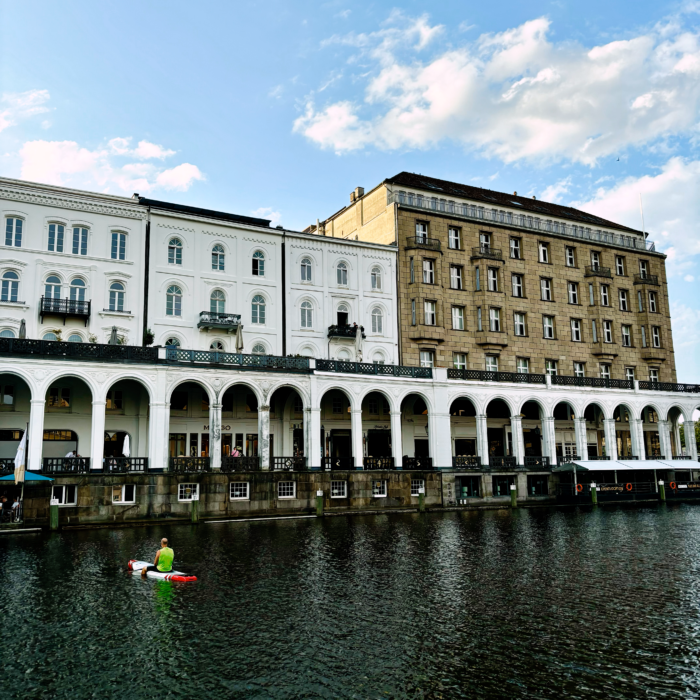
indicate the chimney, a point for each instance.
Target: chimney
{"x":356,"y":194}
{"x":515,"y":194}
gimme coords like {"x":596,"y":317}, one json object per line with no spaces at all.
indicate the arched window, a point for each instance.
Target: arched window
{"x":175,"y":252}
{"x":118,"y":245}
{"x":173,"y":303}
{"x":217,"y":302}
{"x":307,"y":315}
{"x":377,"y":320}
{"x":259,"y":349}
{"x":52,"y":290}
{"x":378,"y":358}
{"x":342,"y":274}
{"x":259,"y":263}
{"x":10,"y":286}
{"x":77,"y":289}
{"x":306,"y":270}
{"x":173,"y":341}
{"x":7,"y":333}
{"x":217,"y":345}
{"x":116,"y":296}
{"x":343,"y":315}
{"x":75,"y":338}
{"x":218,"y":258}
{"x":49,"y":336}
{"x":80,"y":240}
{"x":56,"y":235}
{"x":376,"y":278}
{"x":344,"y":355}
{"x":258,"y":310}
{"x":13,"y":232}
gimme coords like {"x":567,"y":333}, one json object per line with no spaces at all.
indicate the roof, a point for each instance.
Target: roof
{"x":621,"y":465}
{"x":536,"y":206}
{"x":209,"y":213}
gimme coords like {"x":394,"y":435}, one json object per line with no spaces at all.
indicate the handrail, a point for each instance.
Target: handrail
{"x":220,"y":319}
{"x":485,"y":251}
{"x":597,"y":382}
{"x":348,"y":331}
{"x":238,"y":360}
{"x":423,"y":242}
{"x":670,"y":386}
{"x":373,"y":368}
{"x":597,"y":271}
{"x":647,"y":279}
{"x":77,"y":351}
{"x":482,"y":376}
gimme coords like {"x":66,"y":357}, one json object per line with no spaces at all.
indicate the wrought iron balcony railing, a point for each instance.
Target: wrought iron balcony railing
{"x":669,"y":386}
{"x":65,"y":465}
{"x":219,"y":321}
{"x":479,"y":375}
{"x":330,"y":464}
{"x":189,"y":465}
{"x":7,"y":465}
{"x":417,"y":463}
{"x":536,"y":463}
{"x":486,"y":251}
{"x":238,"y":360}
{"x":345,"y":331}
{"x":597,"y":382}
{"x":647,"y":279}
{"x":289,"y":464}
{"x":240,"y":464}
{"x":378,"y":463}
{"x":423,"y":242}
{"x":77,"y":351}
{"x":466,"y":462}
{"x":64,"y":307}
{"x":502,"y":462}
{"x":597,"y":271}
{"x":125,"y":465}
{"x":373,"y":368}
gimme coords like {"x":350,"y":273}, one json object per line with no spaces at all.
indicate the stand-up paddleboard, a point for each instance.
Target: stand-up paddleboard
{"x":136,"y":566}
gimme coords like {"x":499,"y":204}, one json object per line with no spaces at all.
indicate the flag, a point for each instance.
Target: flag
{"x":20,"y":459}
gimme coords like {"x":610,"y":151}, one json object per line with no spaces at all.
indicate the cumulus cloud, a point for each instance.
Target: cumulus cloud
{"x":268,"y":213}
{"x":686,"y":341}
{"x":515,"y":94}
{"x":17,"y":106}
{"x":68,"y":164}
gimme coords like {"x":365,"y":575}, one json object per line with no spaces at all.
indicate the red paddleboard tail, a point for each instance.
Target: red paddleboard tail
{"x":182,"y":579}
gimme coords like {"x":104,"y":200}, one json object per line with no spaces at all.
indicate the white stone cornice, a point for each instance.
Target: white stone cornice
{"x":12,"y":262}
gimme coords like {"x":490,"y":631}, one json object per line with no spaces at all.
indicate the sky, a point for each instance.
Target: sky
{"x":281,"y":109}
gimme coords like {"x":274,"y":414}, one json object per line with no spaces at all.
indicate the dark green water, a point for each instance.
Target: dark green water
{"x":536,"y":603}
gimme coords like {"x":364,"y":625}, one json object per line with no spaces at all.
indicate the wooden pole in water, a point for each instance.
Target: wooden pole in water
{"x":662,"y":490}
{"x":513,"y":496}
{"x":319,"y":504}
{"x":421,"y":500}
{"x":594,"y":494}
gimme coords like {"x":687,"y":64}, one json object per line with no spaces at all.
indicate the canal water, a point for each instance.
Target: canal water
{"x":537,"y":603}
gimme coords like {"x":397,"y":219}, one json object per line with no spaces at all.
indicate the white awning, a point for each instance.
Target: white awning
{"x":622,"y":465}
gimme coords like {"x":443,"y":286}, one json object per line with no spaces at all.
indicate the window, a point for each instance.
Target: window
{"x":629,"y":374}
{"x":218,"y":346}
{"x":459,"y":360}
{"x":7,"y":395}
{"x":493,"y":279}
{"x":627,"y":336}
{"x":579,"y":369}
{"x":118,"y":245}
{"x":551,"y":367}
{"x":217,"y":302}
{"x":573,"y":293}
{"x":485,"y":241}
{"x":286,"y":489}
{"x":10,"y":286}
{"x":377,"y":320}
{"x":13,"y":232}
{"x":417,"y":487}
{"x":519,"y":323}
{"x":595,"y":260}
{"x":605,"y":371}
{"x":428,"y":272}
{"x":653,"y":375}
{"x":50,"y":336}
{"x":523,"y":365}
{"x":412,"y":270}
{"x":80,"y":236}
{"x":454,"y":239}
{"x":458,"y":318}
{"x":478,"y":278}
{"x":258,"y":349}
{"x":376,"y":278}
{"x":173,"y":342}
{"x":427,"y":358}
{"x":259,"y":263}
{"x":623,"y":300}
{"x":77,"y":289}
{"x":491,"y":363}
{"x":116,"y":296}
{"x":188,"y":492}
{"x":495,"y":320}
{"x":544,"y":252}
{"x":640,"y":305}
{"x":455,"y":277}
{"x":591,"y":296}
{"x":607,"y":332}
{"x":619,"y":265}
{"x":643,"y":268}
{"x":124,"y":494}
{"x":576,"y":330}
{"x":429,"y":310}
{"x":517,"y":282}
{"x":342,"y":274}
{"x":546,"y":288}
{"x":65,"y":495}
{"x":173,"y":301}
{"x":306,"y":270}
{"x":478,"y":318}
{"x":421,"y":232}
{"x":258,"y":310}
{"x":239,"y":490}
{"x":570,"y":257}
{"x":604,"y":295}
{"x":656,"y":336}
{"x":218,"y":258}
{"x":652,"y":302}
{"x":342,"y":315}
{"x":373,"y":407}
{"x":379,"y":489}
{"x":413,"y":312}
{"x":56,"y":235}
{"x":548,"y":326}
{"x":52,"y":288}
{"x":594,"y":331}
{"x":339,"y":489}
{"x":515,"y":248}
{"x":7,"y":333}
{"x":175,"y":251}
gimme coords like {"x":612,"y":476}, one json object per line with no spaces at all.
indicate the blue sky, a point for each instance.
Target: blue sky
{"x":281,"y":109}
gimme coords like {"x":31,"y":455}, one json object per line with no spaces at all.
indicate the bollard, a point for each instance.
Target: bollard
{"x":421,"y":500}
{"x":319,"y":504}
{"x":195,"y":511}
{"x":513,"y":496}
{"x":662,"y":491}
{"x":53,"y":516}
{"x":594,"y":494}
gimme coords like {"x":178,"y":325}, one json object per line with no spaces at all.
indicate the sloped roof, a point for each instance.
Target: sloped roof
{"x":208,"y":213}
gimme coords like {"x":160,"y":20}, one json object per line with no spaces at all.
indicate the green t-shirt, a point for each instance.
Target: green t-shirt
{"x":165,"y":559}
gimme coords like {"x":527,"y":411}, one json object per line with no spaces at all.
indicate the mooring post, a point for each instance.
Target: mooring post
{"x":662,"y":490}
{"x":513,"y":496}
{"x":421,"y":500}
{"x":195,"y":510}
{"x":594,"y":494}
{"x":53,"y":515}
{"x":319,"y":503}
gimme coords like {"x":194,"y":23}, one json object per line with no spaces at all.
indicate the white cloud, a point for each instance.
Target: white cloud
{"x":686,"y":340}
{"x":276,"y":92}
{"x":555,"y":192}
{"x":689,"y":278}
{"x":16,"y":106}
{"x":515,"y":94}
{"x":268,"y":213}
{"x":69,"y":164}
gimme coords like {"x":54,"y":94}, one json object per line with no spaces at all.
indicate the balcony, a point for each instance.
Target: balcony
{"x":239,"y":464}
{"x":373,"y":368}
{"x":65,"y":308}
{"x":7,"y":465}
{"x":65,"y":465}
{"x":370,"y":463}
{"x":418,"y":463}
{"x":597,"y":271}
{"x":189,"y":465}
{"x":479,"y":375}
{"x":423,"y":242}
{"x":500,"y":462}
{"x":487,"y":252}
{"x":536,"y":464}
{"x":669,"y":386}
{"x":345,"y":332}
{"x":213,"y":320}
{"x":52,"y":349}
{"x":125,"y":465}
{"x":331,"y":464}
{"x":647,"y":279}
{"x":467,"y":462}
{"x":236,"y":360}
{"x":289,"y":464}
{"x":595,"y":382}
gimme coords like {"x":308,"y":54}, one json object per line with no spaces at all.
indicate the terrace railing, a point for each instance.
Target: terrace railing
{"x":501,"y":462}
{"x":669,"y":386}
{"x":237,"y":360}
{"x":330,"y":464}
{"x":125,"y":465}
{"x":423,"y":242}
{"x":378,"y":463}
{"x":466,"y":462}
{"x":289,"y":464}
{"x":479,"y":375}
{"x":417,"y":462}
{"x":65,"y":465}
{"x":345,"y":331}
{"x":240,"y":464}
{"x":597,"y":382}
{"x":64,"y":307}
{"x":77,"y":351}
{"x":536,"y":463}
{"x":7,"y":465}
{"x":373,"y":368}
{"x":189,"y":465}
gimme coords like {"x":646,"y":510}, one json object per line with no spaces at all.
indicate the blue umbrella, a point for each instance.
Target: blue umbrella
{"x":28,"y":476}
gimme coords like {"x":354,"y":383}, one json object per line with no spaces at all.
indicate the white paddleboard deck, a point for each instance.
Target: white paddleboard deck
{"x":136,"y":566}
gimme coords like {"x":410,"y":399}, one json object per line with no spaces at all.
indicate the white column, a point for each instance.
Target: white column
{"x":314,"y":442}
{"x":516,"y":429}
{"x":637,"y":435}
{"x":356,"y":425}
{"x":36,"y":433}
{"x":159,"y":435}
{"x":440,"y":440}
{"x":264,"y":436}
{"x":97,"y":440}
{"x":610,"y":438}
{"x":396,"y":439}
{"x":677,"y":438}
{"x":482,"y":439}
{"x":581,"y":437}
{"x":550,"y":440}
{"x":691,"y":447}
{"x":215,"y":435}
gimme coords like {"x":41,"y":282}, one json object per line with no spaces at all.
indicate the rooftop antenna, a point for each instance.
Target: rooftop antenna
{"x":641,"y":210}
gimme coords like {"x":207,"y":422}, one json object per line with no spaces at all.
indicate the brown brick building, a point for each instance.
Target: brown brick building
{"x":491,"y":281}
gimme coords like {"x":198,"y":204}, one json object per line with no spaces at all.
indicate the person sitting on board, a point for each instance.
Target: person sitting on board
{"x":163,"y":562}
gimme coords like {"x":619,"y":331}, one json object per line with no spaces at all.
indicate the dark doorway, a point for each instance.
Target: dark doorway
{"x":421,"y":449}
{"x":495,"y":438}
{"x":379,"y":443}
{"x":114,"y":444}
{"x":465,"y":447}
{"x":298,"y":442}
{"x":178,"y":444}
{"x":533,"y":442}
{"x":468,"y":486}
{"x":341,"y":443}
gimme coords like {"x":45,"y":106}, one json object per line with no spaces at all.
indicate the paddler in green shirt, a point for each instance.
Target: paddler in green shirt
{"x":163,"y":561}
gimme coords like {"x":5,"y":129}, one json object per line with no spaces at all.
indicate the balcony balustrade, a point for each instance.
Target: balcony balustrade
{"x":236,"y":360}
{"x":189,"y":465}
{"x":597,"y":382}
{"x":487,"y":252}
{"x":417,"y":463}
{"x":423,"y":242}
{"x":373,"y":368}
{"x":289,"y":464}
{"x":331,"y":464}
{"x":345,"y":331}
{"x":647,"y":279}
{"x":65,"y":308}
{"x":65,"y":465}
{"x":466,"y":462}
{"x":597,"y":271}
{"x":502,"y":462}
{"x":378,"y":463}
{"x":669,"y":386}
{"x":479,"y":375}
{"x":239,"y":464}
{"x":125,"y":465}
{"x":213,"y":320}
{"x":536,"y":463}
